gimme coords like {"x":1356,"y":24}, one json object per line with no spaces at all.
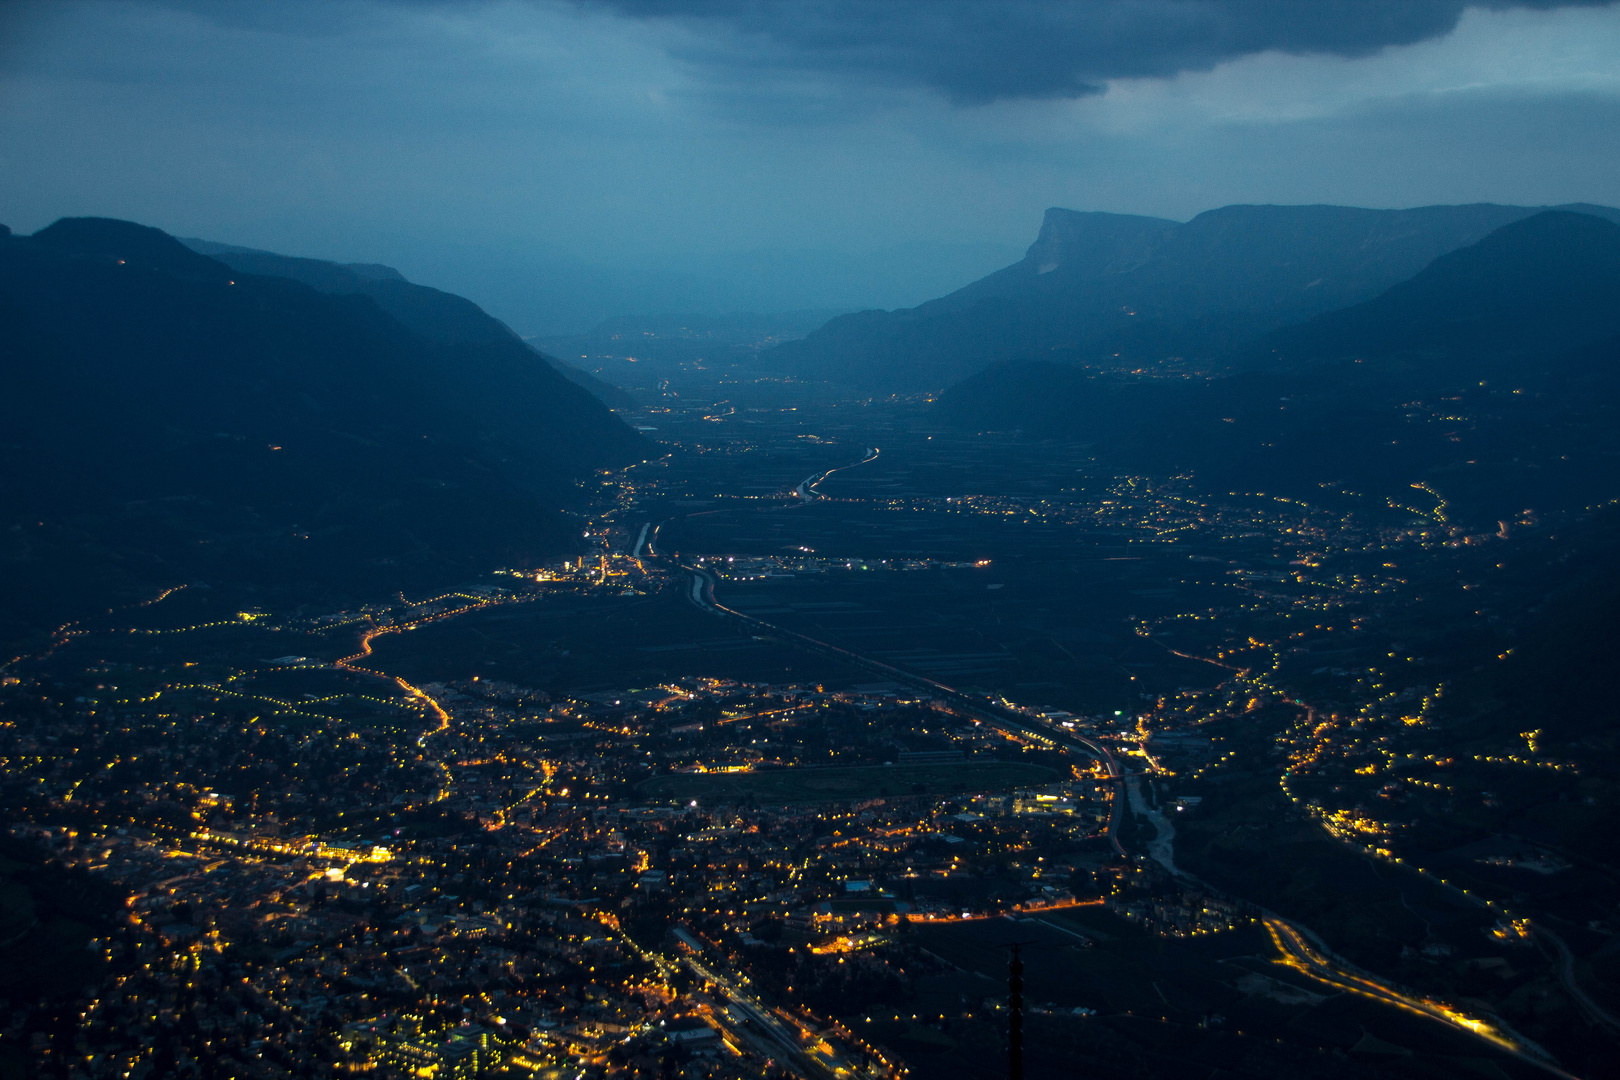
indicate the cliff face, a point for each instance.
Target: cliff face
{"x":1072,"y":246}
{"x":1117,"y":287}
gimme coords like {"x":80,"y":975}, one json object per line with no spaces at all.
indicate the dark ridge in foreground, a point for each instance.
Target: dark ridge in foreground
{"x":168,"y":418}
{"x":437,"y":316}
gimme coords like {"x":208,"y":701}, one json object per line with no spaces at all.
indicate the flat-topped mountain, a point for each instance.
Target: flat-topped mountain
{"x":1131,"y":290}
{"x":168,"y":417}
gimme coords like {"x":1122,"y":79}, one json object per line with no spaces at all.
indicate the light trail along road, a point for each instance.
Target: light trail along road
{"x":347,"y":663}
{"x":807,"y":487}
{"x":1298,"y":953}
{"x":1302,"y":956}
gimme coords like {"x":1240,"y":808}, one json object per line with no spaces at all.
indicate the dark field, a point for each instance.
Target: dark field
{"x":1078,"y":563}
{"x":1208,"y":1006}
{"x":842,"y":785}
{"x":570,"y":644}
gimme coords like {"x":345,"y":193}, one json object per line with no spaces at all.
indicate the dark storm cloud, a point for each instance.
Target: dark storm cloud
{"x":976,"y":51}
{"x":565,"y":160}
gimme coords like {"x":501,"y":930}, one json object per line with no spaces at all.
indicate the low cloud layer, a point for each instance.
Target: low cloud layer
{"x":976,"y":52}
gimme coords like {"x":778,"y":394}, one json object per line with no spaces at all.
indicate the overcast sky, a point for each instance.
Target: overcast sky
{"x":561,"y":161}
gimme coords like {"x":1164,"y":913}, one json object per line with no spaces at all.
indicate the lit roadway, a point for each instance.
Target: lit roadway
{"x":768,"y":1033}
{"x":1317,"y":963}
{"x":807,"y":487}
{"x":347,"y":663}
{"x":1595,"y":1014}
{"x":1302,"y":956}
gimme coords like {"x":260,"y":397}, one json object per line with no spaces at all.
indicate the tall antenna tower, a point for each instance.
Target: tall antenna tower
{"x":1015,"y":1017}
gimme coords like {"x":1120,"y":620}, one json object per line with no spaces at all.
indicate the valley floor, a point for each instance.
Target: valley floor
{"x":837,"y":706}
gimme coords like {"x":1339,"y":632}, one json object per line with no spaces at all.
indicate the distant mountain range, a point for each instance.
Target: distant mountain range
{"x":168,"y":417}
{"x":702,"y":357}
{"x":677,"y":338}
{"x":1493,"y":374}
{"x":1125,"y":290}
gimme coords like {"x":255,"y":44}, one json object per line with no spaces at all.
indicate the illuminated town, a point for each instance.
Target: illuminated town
{"x":338,"y":858}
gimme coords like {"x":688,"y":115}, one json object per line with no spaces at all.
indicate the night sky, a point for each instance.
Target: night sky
{"x":561,"y":162}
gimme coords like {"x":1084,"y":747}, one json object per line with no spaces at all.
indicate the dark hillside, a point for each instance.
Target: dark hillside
{"x":1493,"y":375}
{"x":167,"y":418}
{"x":1546,"y":283}
{"x":436,"y":316}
